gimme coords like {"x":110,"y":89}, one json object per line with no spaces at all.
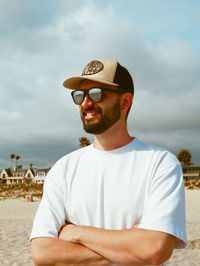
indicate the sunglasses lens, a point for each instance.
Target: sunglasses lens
{"x":78,"y":97}
{"x":95,"y":94}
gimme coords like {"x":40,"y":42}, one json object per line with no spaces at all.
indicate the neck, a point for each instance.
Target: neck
{"x":115,"y":137}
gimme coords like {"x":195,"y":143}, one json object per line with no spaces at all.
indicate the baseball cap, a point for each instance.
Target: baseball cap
{"x":103,"y":71}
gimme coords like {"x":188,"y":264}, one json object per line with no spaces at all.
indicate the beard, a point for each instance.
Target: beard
{"x":106,"y":118}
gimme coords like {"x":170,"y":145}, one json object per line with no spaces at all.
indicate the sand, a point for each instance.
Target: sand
{"x":190,"y":256}
{"x":16,"y":217}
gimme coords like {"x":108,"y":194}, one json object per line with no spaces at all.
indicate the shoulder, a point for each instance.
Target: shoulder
{"x":75,"y":155}
{"x":57,"y":175}
{"x":155,"y":154}
{"x":71,"y":158}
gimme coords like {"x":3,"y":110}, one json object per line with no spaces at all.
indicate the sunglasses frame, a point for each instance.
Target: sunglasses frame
{"x":86,"y":92}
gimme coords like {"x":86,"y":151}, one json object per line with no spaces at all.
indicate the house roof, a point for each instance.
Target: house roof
{"x":46,"y":170}
{"x":32,"y":171}
{"x":9,"y":172}
{"x":20,"y":171}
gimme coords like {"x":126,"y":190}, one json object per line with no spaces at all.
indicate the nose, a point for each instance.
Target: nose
{"x":87,"y":102}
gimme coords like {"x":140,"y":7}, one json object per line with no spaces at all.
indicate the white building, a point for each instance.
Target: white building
{"x":40,"y":175}
{"x":9,"y":176}
{"x":17,"y":176}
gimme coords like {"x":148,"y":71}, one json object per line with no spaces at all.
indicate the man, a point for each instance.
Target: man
{"x":118,"y":201}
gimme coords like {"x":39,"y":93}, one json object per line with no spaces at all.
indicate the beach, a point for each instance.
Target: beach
{"x":190,"y":256}
{"x":16,"y":217}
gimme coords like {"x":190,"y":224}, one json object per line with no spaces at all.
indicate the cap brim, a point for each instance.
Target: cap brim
{"x":74,"y":82}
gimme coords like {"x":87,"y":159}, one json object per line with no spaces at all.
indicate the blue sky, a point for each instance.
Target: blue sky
{"x":43,"y":43}
{"x":160,"y":19}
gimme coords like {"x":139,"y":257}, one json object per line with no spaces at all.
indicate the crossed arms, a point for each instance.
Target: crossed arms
{"x":85,"y":245}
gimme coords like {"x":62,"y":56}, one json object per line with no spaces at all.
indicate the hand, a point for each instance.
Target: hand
{"x":70,"y":232}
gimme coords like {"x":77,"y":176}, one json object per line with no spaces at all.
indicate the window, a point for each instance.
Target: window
{"x":41,"y":174}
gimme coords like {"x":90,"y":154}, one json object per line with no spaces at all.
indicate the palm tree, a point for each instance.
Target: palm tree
{"x":12,"y":156}
{"x":83,"y":142}
{"x":17,"y":158}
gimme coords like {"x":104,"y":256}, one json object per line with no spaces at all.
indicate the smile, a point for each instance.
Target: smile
{"x":89,"y":115}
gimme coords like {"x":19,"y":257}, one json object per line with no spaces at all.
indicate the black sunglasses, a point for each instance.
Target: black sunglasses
{"x":94,"y":94}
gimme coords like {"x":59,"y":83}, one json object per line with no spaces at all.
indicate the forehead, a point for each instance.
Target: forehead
{"x":87,"y":84}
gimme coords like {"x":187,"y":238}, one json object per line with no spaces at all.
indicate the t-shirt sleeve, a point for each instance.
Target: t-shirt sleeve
{"x":50,"y":215}
{"x":165,"y":205}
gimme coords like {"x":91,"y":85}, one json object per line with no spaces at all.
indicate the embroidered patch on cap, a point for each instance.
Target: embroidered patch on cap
{"x":92,"y":68}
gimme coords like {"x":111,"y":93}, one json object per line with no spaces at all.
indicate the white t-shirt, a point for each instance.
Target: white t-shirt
{"x":136,"y":184}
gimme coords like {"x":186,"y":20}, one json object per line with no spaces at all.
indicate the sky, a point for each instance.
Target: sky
{"x":44,"y":42}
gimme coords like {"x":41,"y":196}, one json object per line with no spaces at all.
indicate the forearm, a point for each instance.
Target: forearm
{"x":116,"y":245}
{"x":128,"y":247}
{"x":56,"y":252}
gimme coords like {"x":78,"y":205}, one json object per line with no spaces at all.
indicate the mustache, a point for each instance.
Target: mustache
{"x":84,"y":110}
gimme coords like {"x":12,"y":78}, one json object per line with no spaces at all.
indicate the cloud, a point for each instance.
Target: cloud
{"x":166,"y":107}
{"x":44,"y":43}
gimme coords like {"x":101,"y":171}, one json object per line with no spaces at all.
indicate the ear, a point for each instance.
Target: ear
{"x":126,"y":101}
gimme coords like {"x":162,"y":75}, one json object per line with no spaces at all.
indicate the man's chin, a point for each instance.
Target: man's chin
{"x":92,"y":122}
{"x":93,"y":128}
